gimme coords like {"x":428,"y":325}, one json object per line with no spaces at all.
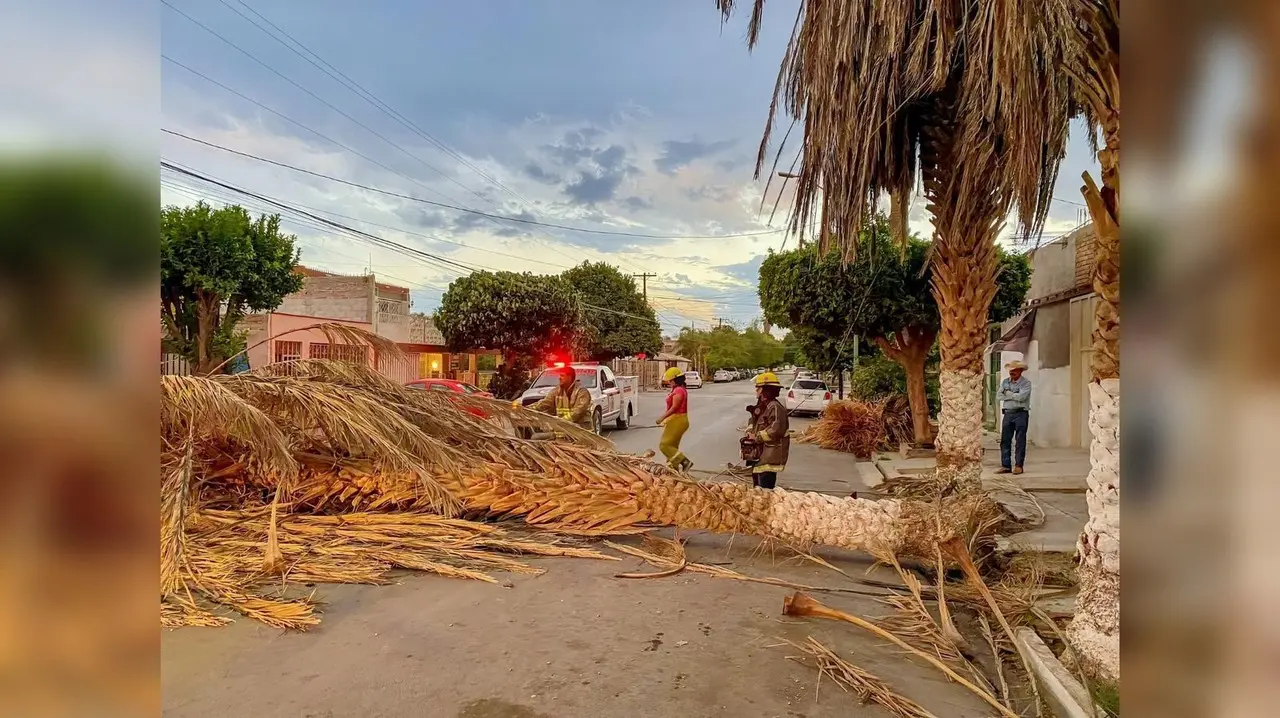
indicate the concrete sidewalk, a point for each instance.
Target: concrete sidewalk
{"x":1054,"y":478}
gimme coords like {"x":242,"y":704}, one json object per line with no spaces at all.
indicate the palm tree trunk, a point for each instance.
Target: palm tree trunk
{"x":963,"y":288}
{"x":575,"y":497}
{"x":1095,"y":628}
{"x":967,"y":215}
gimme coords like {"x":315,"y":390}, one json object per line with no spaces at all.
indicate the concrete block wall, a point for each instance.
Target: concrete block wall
{"x":1051,"y":415}
{"x":344,"y":298}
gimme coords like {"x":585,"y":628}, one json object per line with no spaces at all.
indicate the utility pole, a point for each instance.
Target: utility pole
{"x":644,"y":283}
{"x":720,"y":320}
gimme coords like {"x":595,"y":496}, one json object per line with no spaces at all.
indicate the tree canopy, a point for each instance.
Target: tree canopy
{"x":216,"y":265}
{"x":725,"y":346}
{"x":883,"y":295}
{"x":618,"y":320}
{"x":522,"y":315}
{"x":885,"y":289}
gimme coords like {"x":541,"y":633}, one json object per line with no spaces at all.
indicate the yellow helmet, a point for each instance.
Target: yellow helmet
{"x":767,"y":378}
{"x":672,"y":373}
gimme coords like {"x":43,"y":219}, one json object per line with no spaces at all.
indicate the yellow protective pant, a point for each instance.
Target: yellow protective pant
{"x":672,"y":431}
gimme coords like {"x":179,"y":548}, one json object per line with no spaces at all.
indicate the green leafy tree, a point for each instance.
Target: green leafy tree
{"x":215,"y":266}
{"x":725,"y":346}
{"x":883,"y":296}
{"x":525,"y":316}
{"x":694,"y":344}
{"x":619,"y":322}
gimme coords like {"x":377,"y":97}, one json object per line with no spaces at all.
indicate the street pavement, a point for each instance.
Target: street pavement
{"x":717,"y":416}
{"x":576,"y":642}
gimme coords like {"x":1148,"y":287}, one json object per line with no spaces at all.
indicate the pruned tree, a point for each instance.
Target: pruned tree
{"x":882,"y":295}
{"x":525,"y":316}
{"x":962,"y":99}
{"x":215,"y":266}
{"x":971,"y":101}
{"x":618,"y":320}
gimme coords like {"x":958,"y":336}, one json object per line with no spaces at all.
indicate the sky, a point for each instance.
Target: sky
{"x":638,"y":118}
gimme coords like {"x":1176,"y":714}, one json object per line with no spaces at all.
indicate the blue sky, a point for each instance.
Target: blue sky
{"x":634,"y":117}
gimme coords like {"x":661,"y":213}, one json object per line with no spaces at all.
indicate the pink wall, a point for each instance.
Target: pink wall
{"x":277,"y":323}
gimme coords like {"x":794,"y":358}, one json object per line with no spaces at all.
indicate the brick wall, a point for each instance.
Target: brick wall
{"x":349,"y":298}
{"x":1085,"y":255}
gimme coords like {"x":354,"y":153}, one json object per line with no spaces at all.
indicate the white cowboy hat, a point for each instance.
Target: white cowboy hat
{"x":1015,"y":364}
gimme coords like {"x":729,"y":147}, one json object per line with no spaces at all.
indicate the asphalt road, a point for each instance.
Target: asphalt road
{"x":717,"y":416}
{"x":576,"y":642}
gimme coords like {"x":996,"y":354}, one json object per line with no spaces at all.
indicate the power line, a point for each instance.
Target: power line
{"x":363,"y":92}
{"x":414,"y":233}
{"x":379,"y":241}
{"x":318,"y":98}
{"x":456,"y":208}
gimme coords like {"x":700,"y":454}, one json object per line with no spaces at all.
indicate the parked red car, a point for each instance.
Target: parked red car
{"x":455,"y":387}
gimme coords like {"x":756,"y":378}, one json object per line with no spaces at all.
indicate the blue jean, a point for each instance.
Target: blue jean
{"x":1014,"y":426}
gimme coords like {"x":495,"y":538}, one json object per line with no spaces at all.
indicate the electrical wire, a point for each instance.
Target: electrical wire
{"x":456,"y":208}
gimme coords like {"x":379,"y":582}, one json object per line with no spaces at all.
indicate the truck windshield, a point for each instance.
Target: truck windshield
{"x":548,"y":378}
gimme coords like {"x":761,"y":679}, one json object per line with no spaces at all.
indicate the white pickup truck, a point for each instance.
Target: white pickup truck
{"x":614,"y":398}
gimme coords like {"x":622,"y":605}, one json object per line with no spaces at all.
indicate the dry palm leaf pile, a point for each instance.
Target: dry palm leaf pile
{"x":861,"y":428}
{"x":321,"y":471}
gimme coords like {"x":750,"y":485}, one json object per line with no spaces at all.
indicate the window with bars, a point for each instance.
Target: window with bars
{"x":288,"y":351}
{"x":349,"y":353}
{"x":318,"y":350}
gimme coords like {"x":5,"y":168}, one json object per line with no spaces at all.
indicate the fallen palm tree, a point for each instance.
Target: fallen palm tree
{"x":861,"y":428}
{"x":325,"y":440}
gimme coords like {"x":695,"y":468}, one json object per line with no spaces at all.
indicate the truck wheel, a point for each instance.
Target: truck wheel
{"x":597,"y":420}
{"x":624,"y":417}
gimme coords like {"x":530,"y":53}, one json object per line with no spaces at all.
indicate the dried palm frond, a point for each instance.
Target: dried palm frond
{"x":204,"y":409}
{"x":799,"y":604}
{"x":223,"y":562}
{"x":352,"y":422}
{"x":866,"y":685}
{"x":334,"y":333}
{"x":860,"y":428}
{"x":669,"y":555}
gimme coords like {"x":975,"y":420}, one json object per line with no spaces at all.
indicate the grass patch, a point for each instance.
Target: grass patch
{"x":1107,"y":696}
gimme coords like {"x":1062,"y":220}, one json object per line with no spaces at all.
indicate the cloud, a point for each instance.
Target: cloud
{"x":748,"y":271}
{"x":418,"y":216}
{"x":677,"y":154}
{"x":594,"y":188}
{"x":636,"y":204}
{"x":535,"y":171}
{"x":713,"y":193}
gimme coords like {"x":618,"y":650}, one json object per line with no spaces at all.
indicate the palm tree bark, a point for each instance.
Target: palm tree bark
{"x":910,"y":349}
{"x":1095,"y":628}
{"x":576,"y":498}
{"x":967,"y":214}
{"x":1094,"y":632}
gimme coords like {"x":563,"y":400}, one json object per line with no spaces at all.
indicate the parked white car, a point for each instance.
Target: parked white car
{"x":614,"y":398}
{"x":807,"y":396}
{"x":721,"y":376}
{"x":692,"y":380}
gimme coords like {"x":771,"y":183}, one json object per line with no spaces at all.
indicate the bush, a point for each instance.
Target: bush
{"x":878,"y":376}
{"x":509,"y":381}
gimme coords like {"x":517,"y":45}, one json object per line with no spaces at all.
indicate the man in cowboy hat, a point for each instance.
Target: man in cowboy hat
{"x":1015,"y":399}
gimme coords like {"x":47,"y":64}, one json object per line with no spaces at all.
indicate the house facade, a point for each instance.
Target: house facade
{"x":364,"y":303}
{"x":1052,"y":335}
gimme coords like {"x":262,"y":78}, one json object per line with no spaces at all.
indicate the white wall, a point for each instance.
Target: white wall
{"x":1050,"y":425}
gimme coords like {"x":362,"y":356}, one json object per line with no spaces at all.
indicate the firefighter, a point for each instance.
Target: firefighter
{"x":675,"y":421}
{"x":767,"y":433}
{"x":569,"y":401}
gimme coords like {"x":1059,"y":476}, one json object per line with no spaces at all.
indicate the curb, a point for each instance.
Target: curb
{"x":1064,"y":694}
